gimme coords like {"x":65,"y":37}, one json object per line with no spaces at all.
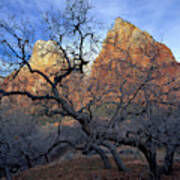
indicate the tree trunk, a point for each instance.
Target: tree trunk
{"x":150,"y":155}
{"x":168,"y":160}
{"x":103,"y":156}
{"x":8,"y":174}
{"x":116,"y":156}
{"x":151,"y":158}
{"x":2,"y":172}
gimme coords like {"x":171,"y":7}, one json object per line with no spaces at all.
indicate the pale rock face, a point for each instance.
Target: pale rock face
{"x":46,"y":53}
{"x":1,"y":79}
{"x":47,"y":58}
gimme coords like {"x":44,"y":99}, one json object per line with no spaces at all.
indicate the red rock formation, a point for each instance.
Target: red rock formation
{"x":126,"y":46}
{"x":48,"y":59}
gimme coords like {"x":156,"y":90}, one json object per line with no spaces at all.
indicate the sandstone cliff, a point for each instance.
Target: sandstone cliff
{"x":47,"y":58}
{"x":129,"y":43}
{"x":124,"y":48}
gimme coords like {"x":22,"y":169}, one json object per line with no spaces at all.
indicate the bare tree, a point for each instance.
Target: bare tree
{"x":76,"y":24}
{"x":132,"y":96}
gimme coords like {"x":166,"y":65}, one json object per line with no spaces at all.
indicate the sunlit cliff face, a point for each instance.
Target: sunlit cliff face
{"x":124,"y":43}
{"x":45,"y":54}
{"x":127,"y":42}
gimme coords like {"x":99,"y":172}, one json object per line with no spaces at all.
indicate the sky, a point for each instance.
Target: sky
{"x":160,"y":18}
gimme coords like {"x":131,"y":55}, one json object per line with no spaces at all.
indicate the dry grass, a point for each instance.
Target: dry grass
{"x":91,"y":169}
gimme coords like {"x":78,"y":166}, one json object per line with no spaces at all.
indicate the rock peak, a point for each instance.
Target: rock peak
{"x":121,"y":22}
{"x":128,"y":42}
{"x":118,"y":21}
{"x":45,"y":53}
{"x":127,"y":45}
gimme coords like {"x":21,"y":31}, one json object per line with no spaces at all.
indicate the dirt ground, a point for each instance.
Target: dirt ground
{"x":91,"y":168}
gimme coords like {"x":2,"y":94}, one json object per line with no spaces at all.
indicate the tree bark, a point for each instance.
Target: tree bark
{"x":8,"y":174}
{"x":103,"y":156}
{"x":150,"y":154}
{"x":153,"y":166}
{"x":168,"y":160}
{"x":116,"y":156}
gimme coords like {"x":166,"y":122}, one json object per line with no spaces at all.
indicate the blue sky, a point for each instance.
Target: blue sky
{"x":161,"y":18}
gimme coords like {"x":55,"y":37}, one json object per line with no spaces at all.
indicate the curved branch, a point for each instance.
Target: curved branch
{"x":28,"y":94}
